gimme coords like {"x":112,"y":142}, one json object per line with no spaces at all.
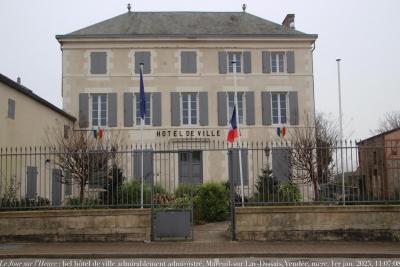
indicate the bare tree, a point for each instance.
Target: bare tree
{"x":390,"y":121}
{"x":84,"y":158}
{"x":311,"y":157}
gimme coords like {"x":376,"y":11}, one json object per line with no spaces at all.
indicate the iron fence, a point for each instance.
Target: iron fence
{"x":272,"y":174}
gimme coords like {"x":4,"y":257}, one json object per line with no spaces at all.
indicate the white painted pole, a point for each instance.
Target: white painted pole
{"x":341,"y":131}
{"x":141,"y":141}
{"x":238,"y":129}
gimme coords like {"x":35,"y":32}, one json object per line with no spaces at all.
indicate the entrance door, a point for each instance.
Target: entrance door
{"x":190,"y":167}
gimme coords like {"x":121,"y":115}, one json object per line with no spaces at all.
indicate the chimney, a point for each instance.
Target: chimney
{"x":289,"y":21}
{"x":19,"y":80}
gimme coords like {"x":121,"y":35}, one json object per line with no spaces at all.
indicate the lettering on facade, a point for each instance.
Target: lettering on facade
{"x":188,"y":133}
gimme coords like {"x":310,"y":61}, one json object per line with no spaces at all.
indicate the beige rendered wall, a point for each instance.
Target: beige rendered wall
{"x":31,"y":120}
{"x":318,"y":223}
{"x":76,"y":225}
{"x":165,"y":77}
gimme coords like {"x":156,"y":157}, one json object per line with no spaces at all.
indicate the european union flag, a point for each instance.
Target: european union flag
{"x":142,"y":96}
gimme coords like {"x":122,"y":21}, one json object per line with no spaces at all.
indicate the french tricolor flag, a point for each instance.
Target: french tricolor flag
{"x":233,"y":131}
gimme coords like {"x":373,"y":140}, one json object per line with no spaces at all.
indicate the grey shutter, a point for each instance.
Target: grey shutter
{"x":112,"y":109}
{"x":290,"y":61}
{"x":222,"y":108}
{"x":247,"y":62}
{"x":31,"y":187}
{"x":83,"y":110}
{"x":266,"y":62}
{"x":266,"y":108}
{"x":281,"y":163}
{"x":234,"y":168}
{"x":250,"y":118}
{"x":203,"y":103}
{"x":56,"y":187}
{"x":222,"y":62}
{"x":148,"y":173}
{"x":188,"y":62}
{"x":11,"y":108}
{"x":128,"y":109}
{"x":294,"y":108}
{"x":156,"y":108}
{"x":98,"y":63}
{"x":68,"y":184}
{"x":145,"y":58}
{"x":175,"y":109}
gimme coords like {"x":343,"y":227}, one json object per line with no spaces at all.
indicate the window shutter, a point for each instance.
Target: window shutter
{"x":294,"y":108}
{"x":175,"y":109}
{"x":281,"y":163}
{"x":31,"y":190}
{"x":145,"y":58}
{"x":11,"y":108}
{"x":68,"y":184}
{"x":290,"y":61}
{"x":266,"y":62}
{"x":234,"y":169}
{"x":148,"y":173}
{"x":203,"y":103}
{"x":128,"y":109}
{"x":188,"y":62}
{"x":222,"y":62}
{"x":247,"y":62}
{"x":83,"y":110}
{"x":156,"y":108}
{"x":250,"y":118}
{"x":56,"y":187}
{"x":98,"y":63}
{"x":112,"y":109}
{"x":266,"y":108}
{"x":222,"y":109}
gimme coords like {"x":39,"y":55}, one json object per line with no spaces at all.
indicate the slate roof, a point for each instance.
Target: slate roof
{"x":142,"y":24}
{"x":24,"y":90}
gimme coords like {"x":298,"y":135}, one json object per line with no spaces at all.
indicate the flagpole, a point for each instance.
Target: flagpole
{"x":238,"y":129}
{"x":141,"y":141}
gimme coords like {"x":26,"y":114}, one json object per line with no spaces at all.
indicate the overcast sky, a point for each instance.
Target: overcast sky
{"x":364,"y":34}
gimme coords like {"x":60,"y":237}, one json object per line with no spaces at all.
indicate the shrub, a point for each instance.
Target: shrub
{"x":189,"y":190}
{"x":130,"y":193}
{"x":86,"y":203}
{"x":289,"y":192}
{"x":211,"y":202}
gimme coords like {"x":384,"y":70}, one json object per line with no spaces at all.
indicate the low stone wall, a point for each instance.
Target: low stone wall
{"x":377,"y":222}
{"x":76,"y":225}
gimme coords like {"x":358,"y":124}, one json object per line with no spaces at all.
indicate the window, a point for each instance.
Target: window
{"x":232,"y":56}
{"x":147,"y":117}
{"x":277,"y":61}
{"x":188,"y":62}
{"x":66,"y":131}
{"x":279,"y":108}
{"x":11,"y":108}
{"x":98,"y":63}
{"x":99,"y":109}
{"x":145,"y":58}
{"x":231,"y":103}
{"x":189,"y":108}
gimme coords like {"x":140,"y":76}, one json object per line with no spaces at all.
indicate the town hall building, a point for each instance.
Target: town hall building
{"x":189,"y":82}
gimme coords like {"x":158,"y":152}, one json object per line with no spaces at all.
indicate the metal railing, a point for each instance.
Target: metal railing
{"x":273,"y":174}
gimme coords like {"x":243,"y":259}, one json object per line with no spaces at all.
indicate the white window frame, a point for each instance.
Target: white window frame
{"x":276,"y":55}
{"x":280,"y":94}
{"x":243,"y":107}
{"x":189,"y":108}
{"x":90,"y":63}
{"x":98,"y":110}
{"x":136,"y":98}
{"x":230,"y":65}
